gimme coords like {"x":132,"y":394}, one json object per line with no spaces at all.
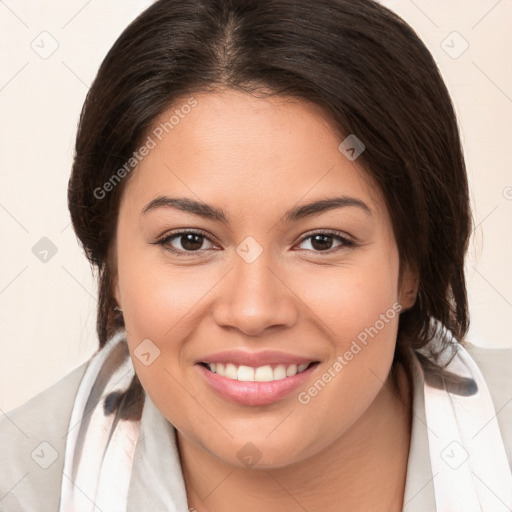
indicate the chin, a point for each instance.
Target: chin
{"x":260,"y":452}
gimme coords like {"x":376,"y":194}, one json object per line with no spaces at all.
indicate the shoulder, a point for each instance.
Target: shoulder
{"x":32,"y":445}
{"x":495,"y":365}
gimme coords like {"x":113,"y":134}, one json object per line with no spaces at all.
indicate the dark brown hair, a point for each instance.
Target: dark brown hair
{"x":356,"y":59}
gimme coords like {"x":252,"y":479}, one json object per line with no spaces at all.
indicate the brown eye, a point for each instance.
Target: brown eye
{"x":323,"y":242}
{"x":191,"y":241}
{"x":185,"y":242}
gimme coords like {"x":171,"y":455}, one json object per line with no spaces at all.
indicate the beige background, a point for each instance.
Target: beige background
{"x":47,"y":310}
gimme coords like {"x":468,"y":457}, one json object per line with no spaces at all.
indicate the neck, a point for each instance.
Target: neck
{"x":364,"y":469}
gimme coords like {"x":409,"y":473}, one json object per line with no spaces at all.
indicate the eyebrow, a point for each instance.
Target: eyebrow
{"x":207,"y":211}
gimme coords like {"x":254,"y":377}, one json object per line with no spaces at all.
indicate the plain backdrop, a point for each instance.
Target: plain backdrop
{"x":49,"y":54}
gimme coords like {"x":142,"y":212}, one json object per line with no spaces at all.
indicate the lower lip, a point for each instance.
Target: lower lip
{"x":255,"y":393}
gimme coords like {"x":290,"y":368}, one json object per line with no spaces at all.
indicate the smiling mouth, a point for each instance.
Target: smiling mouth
{"x":265,"y":373}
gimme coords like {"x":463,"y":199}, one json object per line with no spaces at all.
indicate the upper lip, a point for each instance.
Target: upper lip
{"x":255,"y":359}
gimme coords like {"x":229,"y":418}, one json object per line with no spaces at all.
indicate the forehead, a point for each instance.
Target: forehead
{"x":258,"y":151}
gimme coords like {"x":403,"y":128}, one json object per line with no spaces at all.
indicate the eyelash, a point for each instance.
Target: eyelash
{"x":164,"y":241}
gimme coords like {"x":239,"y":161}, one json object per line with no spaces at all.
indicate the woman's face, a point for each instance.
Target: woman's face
{"x":265,"y":286}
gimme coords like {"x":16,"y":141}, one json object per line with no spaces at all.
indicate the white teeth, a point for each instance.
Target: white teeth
{"x":231,"y":371}
{"x":263,"y":374}
{"x":291,"y":370}
{"x":245,"y":373}
{"x":260,"y":374}
{"x":279,"y":372}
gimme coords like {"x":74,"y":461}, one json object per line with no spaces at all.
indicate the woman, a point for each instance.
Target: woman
{"x":275,"y":198}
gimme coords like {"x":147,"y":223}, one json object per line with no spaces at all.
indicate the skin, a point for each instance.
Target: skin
{"x":254,"y":158}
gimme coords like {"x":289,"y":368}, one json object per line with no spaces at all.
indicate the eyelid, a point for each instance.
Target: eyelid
{"x":333,"y":232}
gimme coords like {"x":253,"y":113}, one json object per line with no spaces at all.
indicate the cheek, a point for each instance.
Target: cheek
{"x":159,"y":297}
{"x":353,"y":297}
{"x":160,"y":304}
{"x":359,"y":313}
{"x":357,"y":309}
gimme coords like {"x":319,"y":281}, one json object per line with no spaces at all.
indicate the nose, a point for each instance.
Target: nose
{"x":254,"y":297}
